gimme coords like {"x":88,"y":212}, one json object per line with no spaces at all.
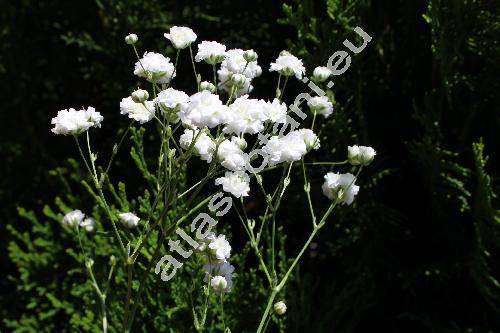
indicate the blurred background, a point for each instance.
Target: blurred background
{"x":421,"y":250}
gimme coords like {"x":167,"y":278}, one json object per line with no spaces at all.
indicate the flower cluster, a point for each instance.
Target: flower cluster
{"x":218,"y":271}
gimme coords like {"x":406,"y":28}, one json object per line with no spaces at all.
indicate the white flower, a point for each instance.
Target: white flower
{"x":205,"y":85}
{"x":321,"y":74}
{"x":220,"y":248}
{"x":236,"y":63}
{"x":141,"y":112}
{"x":171,"y":99}
{"x":221,"y":269}
{"x":236,"y":183}
{"x":204,"y":109}
{"x":289,"y":148}
{"x":321,"y":105}
{"x":238,"y":80}
{"x":204,"y":146}
{"x":240,"y":142}
{"x":288,"y":65}
{"x":219,"y":284}
{"x":231,"y":155}
{"x":310,"y":138}
{"x":227,"y":85}
{"x":88,"y":224}
{"x":246,"y":116}
{"x":280,"y":308}
{"x":75,"y":122}
{"x":154,"y":67}
{"x":73,"y":218}
{"x":341,"y":187}
{"x":360,"y":155}
{"x":275,"y":111}
{"x":211,"y":52}
{"x":140,"y":96}
{"x":131,"y":39}
{"x":129,"y":220}
{"x":250,"y":55}
{"x":181,"y":37}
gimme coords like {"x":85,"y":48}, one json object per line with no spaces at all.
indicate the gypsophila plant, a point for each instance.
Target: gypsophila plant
{"x":243,"y":143}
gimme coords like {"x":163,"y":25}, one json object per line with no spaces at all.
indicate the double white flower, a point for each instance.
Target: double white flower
{"x":155,"y":67}
{"x":75,"y":122}
{"x":288,"y":65}
{"x":181,"y":37}
{"x":340,"y":187}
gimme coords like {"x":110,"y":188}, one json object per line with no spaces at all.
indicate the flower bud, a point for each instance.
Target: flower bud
{"x":240,"y":142}
{"x":218,"y":283}
{"x":360,"y":155}
{"x":89,"y":263}
{"x":321,"y":74}
{"x":140,"y":96}
{"x":250,"y":55}
{"x":238,"y":80}
{"x":112,"y":260}
{"x":280,"y":308}
{"x":131,"y":39}
{"x":205,"y":85}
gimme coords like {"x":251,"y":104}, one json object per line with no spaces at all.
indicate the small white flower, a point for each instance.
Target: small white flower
{"x":204,"y":146}
{"x":129,"y":220}
{"x":222,"y":269}
{"x":238,"y":80}
{"x":220,"y":248}
{"x":321,"y":74}
{"x":141,"y":112}
{"x":289,"y":148}
{"x":275,"y":111}
{"x":140,"y":96}
{"x":360,"y":155}
{"x":88,"y":224}
{"x":280,"y":308}
{"x":204,"y":109}
{"x":247,"y":115}
{"x":250,"y":55}
{"x":155,"y":67}
{"x":181,"y":37}
{"x":240,"y":142}
{"x":235,"y":63}
{"x":205,"y":85}
{"x":218,"y":284}
{"x":236,"y":183}
{"x":288,"y":65}
{"x":75,"y":122}
{"x":73,"y":218}
{"x":231,"y":155}
{"x":131,"y":39}
{"x":172,"y":100}
{"x":341,"y":187}
{"x":310,"y":138}
{"x":321,"y":105}
{"x":225,"y":83}
{"x":211,"y":52}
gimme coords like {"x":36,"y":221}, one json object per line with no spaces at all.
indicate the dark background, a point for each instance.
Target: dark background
{"x":421,"y":251}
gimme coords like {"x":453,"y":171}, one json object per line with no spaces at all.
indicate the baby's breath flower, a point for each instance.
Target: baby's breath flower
{"x":321,"y":105}
{"x":155,"y":67}
{"x":141,"y":112}
{"x":218,"y":284}
{"x":205,"y":85}
{"x":340,"y":187}
{"x":88,"y":224}
{"x":288,"y":65}
{"x":204,"y":109}
{"x":181,"y":37}
{"x":360,"y":155}
{"x":140,"y":96}
{"x":250,"y":55}
{"x":237,"y":183}
{"x":321,"y":74}
{"x":75,"y":122}
{"x":211,"y":52}
{"x":129,"y":220}
{"x":204,"y":146}
{"x":131,"y":39}
{"x":73,"y":218}
{"x":280,"y":308}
